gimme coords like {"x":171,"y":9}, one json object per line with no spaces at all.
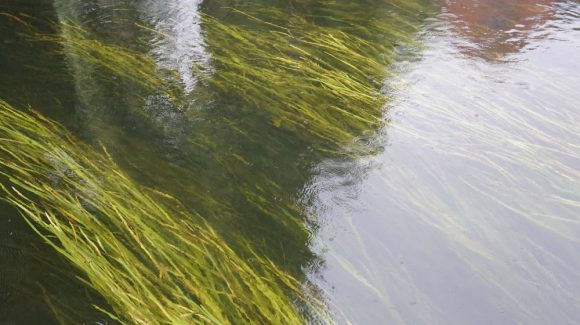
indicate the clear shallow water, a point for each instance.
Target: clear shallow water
{"x":470,"y":215}
{"x":467,"y":216}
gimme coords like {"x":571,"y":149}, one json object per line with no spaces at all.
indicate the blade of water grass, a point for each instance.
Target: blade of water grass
{"x":151,"y":260}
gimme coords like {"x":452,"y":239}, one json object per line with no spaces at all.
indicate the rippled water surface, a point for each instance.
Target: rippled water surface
{"x":470,"y":215}
{"x":461,"y":205}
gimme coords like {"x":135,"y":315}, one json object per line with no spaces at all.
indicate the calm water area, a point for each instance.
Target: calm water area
{"x":464,"y":207}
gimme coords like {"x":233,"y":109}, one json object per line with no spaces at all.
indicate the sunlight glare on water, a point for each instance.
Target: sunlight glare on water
{"x":179,"y":44}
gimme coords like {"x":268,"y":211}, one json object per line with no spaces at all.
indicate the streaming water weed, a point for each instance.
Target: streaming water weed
{"x":316,"y":81}
{"x":122,"y":62}
{"x":311,"y":83}
{"x":151,"y":259}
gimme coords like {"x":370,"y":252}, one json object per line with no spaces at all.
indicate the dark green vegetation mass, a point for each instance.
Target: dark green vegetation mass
{"x":167,"y":194}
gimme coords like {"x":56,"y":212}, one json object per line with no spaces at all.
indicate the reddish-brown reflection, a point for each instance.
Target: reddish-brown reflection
{"x":494,"y":28}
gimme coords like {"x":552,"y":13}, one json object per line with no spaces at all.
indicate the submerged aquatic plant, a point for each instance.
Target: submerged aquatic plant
{"x":305,"y":78}
{"x":320,"y":76}
{"x":131,"y":65}
{"x":153,"y":261}
{"x":316,"y":83}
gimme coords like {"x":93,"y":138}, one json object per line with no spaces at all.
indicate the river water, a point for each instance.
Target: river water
{"x":465,"y":210}
{"x":470,"y":215}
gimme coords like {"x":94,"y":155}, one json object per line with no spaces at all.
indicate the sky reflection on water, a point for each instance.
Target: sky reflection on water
{"x":468,"y":216}
{"x":471,"y":214}
{"x":179,"y":43}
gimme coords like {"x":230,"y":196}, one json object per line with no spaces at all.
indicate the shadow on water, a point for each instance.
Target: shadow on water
{"x":33,"y":75}
{"x":239,"y":161}
{"x":16,"y":273}
{"x":267,"y":119}
{"x":35,"y":281}
{"x":218,"y":152}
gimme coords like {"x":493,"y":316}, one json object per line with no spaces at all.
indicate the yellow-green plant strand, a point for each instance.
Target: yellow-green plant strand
{"x":154,"y":262}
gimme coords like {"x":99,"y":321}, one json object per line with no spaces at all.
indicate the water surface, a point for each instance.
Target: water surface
{"x":470,"y":215}
{"x":462,"y":208}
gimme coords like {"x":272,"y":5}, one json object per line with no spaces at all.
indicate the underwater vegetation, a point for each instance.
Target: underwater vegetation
{"x":311,"y":83}
{"x":300,"y":77}
{"x":151,"y":259}
{"x":233,"y":251}
{"x":317,"y":76}
{"x":221,"y":130}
